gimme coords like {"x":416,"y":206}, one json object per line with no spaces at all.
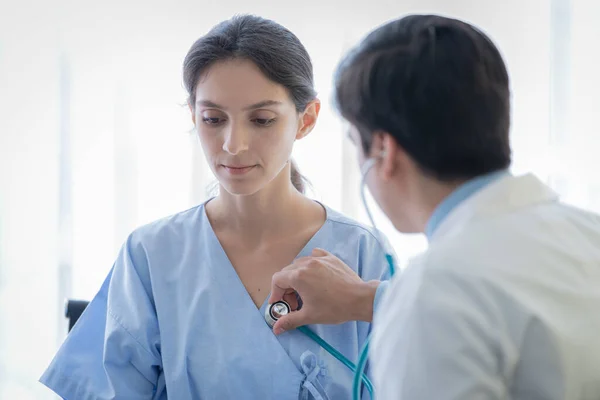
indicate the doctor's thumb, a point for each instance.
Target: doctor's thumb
{"x":317,"y":252}
{"x":289,"y":322}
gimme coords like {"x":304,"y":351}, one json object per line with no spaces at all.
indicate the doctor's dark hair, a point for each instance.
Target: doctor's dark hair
{"x":276,"y":51}
{"x":439,"y":87}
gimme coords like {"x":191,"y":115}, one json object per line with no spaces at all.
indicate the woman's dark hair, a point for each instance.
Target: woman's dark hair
{"x":439,"y":86}
{"x":276,"y":51}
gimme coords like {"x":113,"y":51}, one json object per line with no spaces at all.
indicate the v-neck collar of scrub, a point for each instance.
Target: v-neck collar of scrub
{"x":238,"y":301}
{"x":232,"y":275}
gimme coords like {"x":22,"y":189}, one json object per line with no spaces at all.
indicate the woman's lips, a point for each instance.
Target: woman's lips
{"x":238,"y":170}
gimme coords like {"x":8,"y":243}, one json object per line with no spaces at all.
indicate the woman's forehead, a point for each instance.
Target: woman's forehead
{"x":238,"y":84}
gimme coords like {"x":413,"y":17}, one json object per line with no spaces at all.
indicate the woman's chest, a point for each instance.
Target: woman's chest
{"x":216,"y":344}
{"x":255,"y":266}
{"x":255,"y":271}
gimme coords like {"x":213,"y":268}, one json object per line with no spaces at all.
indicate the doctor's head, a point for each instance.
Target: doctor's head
{"x":429,"y":96}
{"x":251,"y":94}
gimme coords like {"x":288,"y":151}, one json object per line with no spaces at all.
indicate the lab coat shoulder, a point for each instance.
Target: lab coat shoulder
{"x":478,"y":314}
{"x":438,"y":328}
{"x":517,"y":250}
{"x":468,"y":311}
{"x":443,"y":314}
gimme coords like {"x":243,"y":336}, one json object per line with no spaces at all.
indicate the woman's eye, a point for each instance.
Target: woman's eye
{"x":264,"y":121}
{"x":212,"y":120}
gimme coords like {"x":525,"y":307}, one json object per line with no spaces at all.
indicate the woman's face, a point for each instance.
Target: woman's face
{"x":247,"y":125}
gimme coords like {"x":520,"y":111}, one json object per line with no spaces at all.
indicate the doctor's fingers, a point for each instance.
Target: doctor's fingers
{"x":282,"y":283}
{"x":292,"y":321}
{"x":278,"y":293}
{"x":299,"y":271}
{"x":292,"y":298}
{"x":298,"y":277}
{"x":316,"y":254}
{"x":310,"y":262}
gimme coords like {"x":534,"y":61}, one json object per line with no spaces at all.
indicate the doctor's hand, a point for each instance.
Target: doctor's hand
{"x":330,"y":291}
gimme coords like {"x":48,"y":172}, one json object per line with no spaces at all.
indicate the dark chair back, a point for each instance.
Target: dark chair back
{"x":73,"y":310}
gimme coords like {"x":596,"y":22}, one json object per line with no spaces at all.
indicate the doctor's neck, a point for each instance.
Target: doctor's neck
{"x":422,"y":197}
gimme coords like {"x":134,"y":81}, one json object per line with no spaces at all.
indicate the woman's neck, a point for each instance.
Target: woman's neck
{"x":273,"y":212}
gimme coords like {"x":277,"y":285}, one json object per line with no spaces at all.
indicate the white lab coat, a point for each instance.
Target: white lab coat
{"x":504,"y":304}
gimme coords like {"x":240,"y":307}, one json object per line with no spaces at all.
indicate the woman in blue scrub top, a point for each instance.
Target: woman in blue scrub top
{"x":181,"y":314}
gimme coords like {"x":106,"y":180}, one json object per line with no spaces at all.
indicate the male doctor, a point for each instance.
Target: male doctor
{"x":505,"y":303}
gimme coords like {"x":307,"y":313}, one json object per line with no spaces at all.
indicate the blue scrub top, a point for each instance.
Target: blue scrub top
{"x":173,"y":320}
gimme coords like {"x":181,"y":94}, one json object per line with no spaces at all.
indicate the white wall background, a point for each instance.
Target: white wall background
{"x":94,"y":139}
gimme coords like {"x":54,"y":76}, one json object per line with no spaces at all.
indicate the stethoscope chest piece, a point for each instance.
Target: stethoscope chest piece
{"x":275,"y":311}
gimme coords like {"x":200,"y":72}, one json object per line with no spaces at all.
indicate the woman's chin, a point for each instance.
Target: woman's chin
{"x":240,"y":187}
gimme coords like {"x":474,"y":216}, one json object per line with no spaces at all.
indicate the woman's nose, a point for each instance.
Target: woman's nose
{"x":236,"y":140}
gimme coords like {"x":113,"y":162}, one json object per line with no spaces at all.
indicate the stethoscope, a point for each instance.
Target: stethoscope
{"x":280,"y":308}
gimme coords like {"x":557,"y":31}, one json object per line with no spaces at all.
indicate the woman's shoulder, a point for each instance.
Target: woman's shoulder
{"x":360,"y":246}
{"x":356,"y":235}
{"x":349,"y":227}
{"x":158,"y":245}
{"x":172,"y":226}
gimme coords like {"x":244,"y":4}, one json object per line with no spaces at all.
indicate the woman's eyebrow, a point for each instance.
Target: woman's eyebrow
{"x":264,"y":103}
{"x":260,"y":104}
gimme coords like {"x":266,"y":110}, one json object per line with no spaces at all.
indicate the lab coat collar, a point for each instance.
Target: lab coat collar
{"x":463,"y":192}
{"x":506,"y":194}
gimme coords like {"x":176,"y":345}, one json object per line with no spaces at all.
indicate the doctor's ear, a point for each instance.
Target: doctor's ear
{"x":388,"y":154}
{"x":377,"y":149}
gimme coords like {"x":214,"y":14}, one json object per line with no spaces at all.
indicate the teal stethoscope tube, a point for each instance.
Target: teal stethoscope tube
{"x":271,"y":317}
{"x":331,"y":350}
{"x":364,"y":353}
{"x":363,"y":357}
{"x":358,"y":369}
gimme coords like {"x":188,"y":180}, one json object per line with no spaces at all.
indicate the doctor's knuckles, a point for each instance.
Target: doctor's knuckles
{"x":331,"y":292}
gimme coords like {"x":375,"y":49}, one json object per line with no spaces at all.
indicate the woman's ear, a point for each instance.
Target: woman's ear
{"x":192,"y":112}
{"x":308,"y":119}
